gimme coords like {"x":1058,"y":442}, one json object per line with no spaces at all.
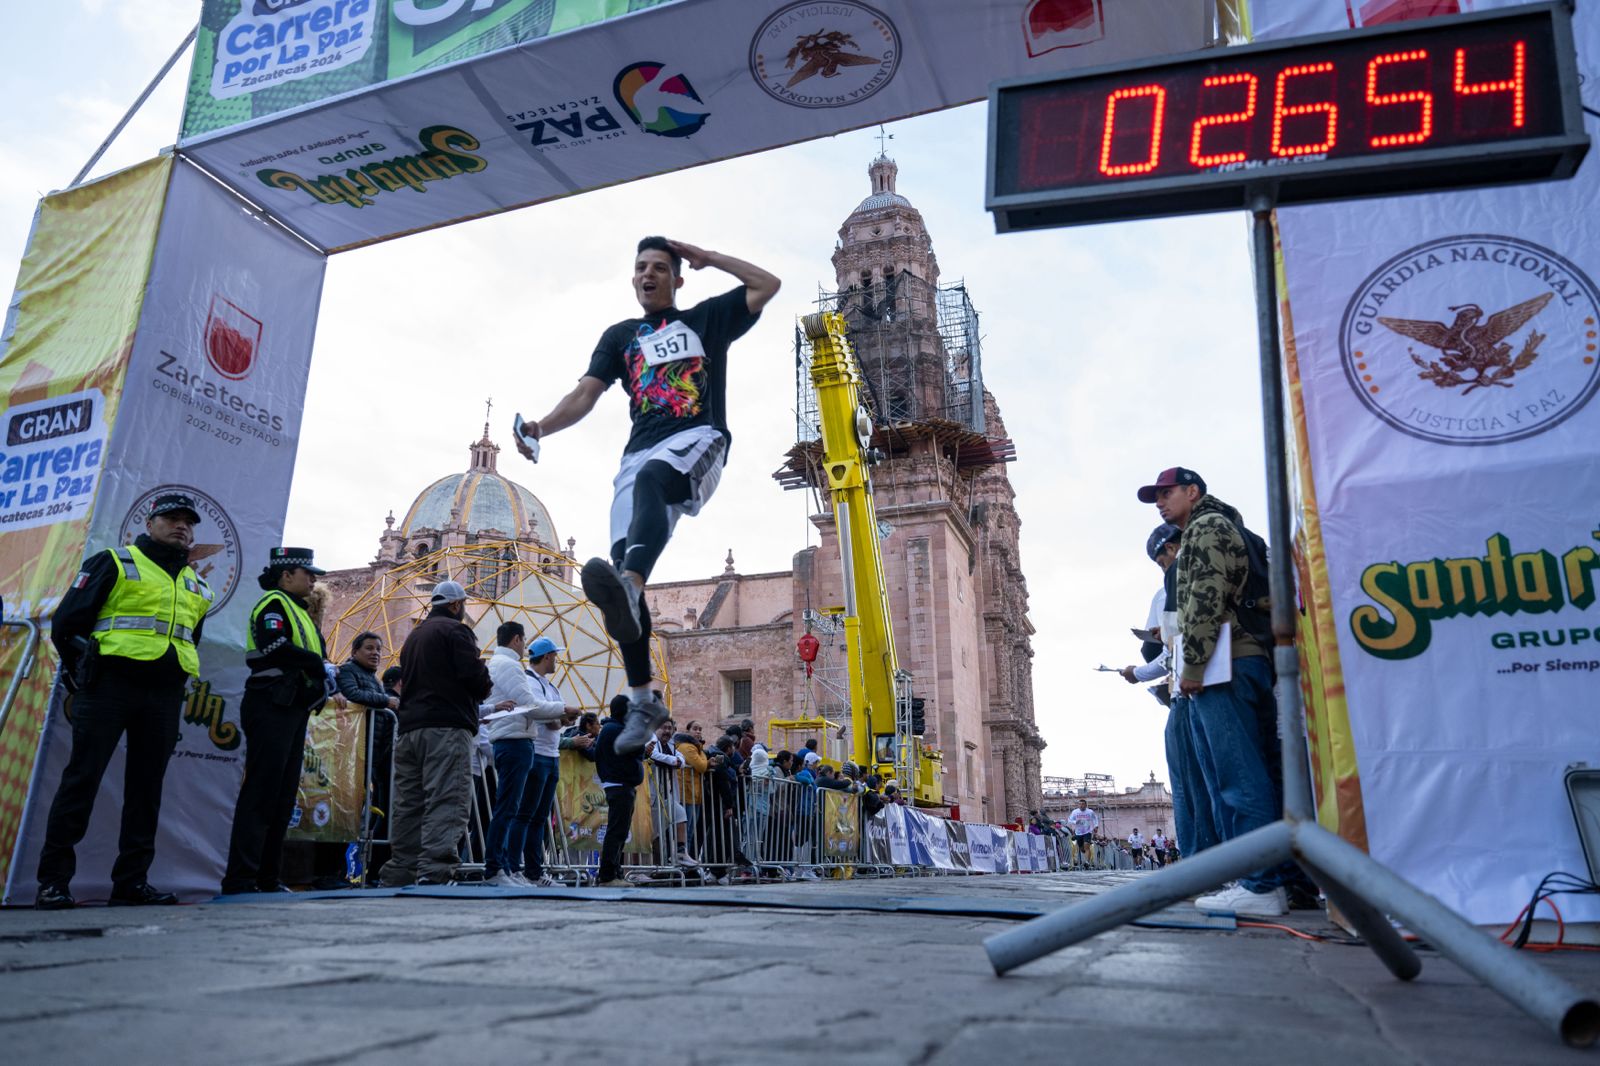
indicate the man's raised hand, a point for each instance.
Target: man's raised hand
{"x":697,"y":258}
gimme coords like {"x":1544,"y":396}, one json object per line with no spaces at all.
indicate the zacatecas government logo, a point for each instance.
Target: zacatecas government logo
{"x":1473,"y":339}
{"x":660,"y":99}
{"x":233,"y":336}
{"x":215,"y":554}
{"x":825,"y":55}
{"x":1051,"y":24}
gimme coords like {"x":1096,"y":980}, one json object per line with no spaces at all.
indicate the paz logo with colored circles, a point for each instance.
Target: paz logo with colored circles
{"x":659,"y":97}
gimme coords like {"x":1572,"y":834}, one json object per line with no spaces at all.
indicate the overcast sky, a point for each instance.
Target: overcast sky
{"x":1114,"y":351}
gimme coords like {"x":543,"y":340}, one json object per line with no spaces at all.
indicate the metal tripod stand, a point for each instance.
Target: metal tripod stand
{"x":1363,"y":889}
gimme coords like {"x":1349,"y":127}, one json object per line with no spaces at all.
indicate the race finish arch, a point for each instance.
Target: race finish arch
{"x":161,"y":330}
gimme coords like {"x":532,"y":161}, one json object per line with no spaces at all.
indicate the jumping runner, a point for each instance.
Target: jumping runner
{"x":673,"y":365}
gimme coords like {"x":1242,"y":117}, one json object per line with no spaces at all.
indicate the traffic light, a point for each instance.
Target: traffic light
{"x":918,"y":722}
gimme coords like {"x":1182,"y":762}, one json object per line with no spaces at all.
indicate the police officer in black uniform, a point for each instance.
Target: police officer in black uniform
{"x":127,"y":633}
{"x":289,"y":680}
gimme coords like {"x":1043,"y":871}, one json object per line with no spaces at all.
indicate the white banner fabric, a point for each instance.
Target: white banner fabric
{"x":899,"y":842}
{"x":939,"y":842}
{"x":1447,"y":352}
{"x":980,"y":845}
{"x":657,"y":91}
{"x":211,"y":408}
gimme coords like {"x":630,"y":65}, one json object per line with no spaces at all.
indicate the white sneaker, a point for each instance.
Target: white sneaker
{"x":503,"y":879}
{"x":1239,"y":900}
{"x":520,"y":879}
{"x":685,"y":859}
{"x":545,"y":881}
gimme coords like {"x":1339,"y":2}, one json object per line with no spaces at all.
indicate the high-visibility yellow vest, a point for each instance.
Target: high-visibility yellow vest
{"x":302,"y":630}
{"x":149,"y":611}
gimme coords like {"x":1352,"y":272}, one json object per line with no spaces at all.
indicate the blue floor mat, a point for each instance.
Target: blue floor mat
{"x":1182,"y":916}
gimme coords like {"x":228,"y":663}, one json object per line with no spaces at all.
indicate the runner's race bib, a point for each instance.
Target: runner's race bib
{"x":670,"y":345}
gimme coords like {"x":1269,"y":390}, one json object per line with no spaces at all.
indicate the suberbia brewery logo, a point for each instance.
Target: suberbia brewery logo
{"x":215,"y":553}
{"x":1473,"y":339}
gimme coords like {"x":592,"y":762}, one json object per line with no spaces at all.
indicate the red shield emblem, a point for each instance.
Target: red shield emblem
{"x":1051,"y":24}
{"x":232,"y":337}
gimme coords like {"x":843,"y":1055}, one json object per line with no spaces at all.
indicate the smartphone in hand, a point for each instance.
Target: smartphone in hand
{"x":528,"y":440}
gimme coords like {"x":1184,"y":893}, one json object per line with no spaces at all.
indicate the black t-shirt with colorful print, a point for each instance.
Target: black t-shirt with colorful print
{"x":680,"y":391}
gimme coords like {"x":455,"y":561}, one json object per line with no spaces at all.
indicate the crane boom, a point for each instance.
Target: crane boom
{"x":880,"y":692}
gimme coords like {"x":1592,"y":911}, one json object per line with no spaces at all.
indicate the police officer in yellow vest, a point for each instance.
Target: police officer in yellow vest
{"x":289,"y":679}
{"x":127,"y":632}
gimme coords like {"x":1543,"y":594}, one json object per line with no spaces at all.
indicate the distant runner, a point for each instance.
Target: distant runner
{"x":1083,"y":822}
{"x":673,"y":365}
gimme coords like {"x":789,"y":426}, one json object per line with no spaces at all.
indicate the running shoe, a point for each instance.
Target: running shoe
{"x":616,"y":598}
{"x":640,"y":726}
{"x":503,"y":879}
{"x":545,"y":881}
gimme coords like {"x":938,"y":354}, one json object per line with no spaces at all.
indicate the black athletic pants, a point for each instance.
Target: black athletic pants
{"x":656,"y":487}
{"x":101,"y":714}
{"x":619,"y":819}
{"x":274,"y":753}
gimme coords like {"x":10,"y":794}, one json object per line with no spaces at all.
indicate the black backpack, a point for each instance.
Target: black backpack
{"x":1253,"y":610}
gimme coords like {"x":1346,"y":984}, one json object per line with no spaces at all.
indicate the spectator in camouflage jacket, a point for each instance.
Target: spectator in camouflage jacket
{"x":1223,"y":764}
{"x":1212,"y":569}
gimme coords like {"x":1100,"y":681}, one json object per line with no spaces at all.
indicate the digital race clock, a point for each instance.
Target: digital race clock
{"x":1443,"y":103}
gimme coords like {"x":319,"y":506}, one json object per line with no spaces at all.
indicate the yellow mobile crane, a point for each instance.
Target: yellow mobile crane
{"x":881,"y":703}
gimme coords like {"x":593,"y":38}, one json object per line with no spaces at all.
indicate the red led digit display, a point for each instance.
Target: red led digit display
{"x":1448,"y":102}
{"x":1202,"y":159}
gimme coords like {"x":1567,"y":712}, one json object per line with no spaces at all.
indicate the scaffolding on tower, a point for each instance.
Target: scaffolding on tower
{"x":920,"y":355}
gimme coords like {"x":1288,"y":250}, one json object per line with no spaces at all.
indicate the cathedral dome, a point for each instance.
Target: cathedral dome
{"x":480,"y":499}
{"x":882,"y":171}
{"x":879,"y":200}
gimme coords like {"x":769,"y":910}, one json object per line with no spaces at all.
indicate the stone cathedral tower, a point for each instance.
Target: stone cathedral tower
{"x":948,"y":524}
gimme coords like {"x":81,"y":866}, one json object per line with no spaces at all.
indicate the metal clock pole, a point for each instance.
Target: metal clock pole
{"x":1363,"y":889}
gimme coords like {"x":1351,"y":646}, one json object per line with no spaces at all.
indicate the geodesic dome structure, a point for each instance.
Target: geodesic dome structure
{"x":505,"y":581}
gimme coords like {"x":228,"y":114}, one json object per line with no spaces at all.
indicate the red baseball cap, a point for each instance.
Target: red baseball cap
{"x":1172,"y":475}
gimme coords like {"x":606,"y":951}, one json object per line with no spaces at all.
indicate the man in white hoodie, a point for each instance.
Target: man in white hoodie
{"x":525,"y":741}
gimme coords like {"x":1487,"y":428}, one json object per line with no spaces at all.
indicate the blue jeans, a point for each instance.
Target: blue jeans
{"x":1192,"y":822}
{"x":538,"y":797}
{"x":1224,"y":728}
{"x":503,"y":848}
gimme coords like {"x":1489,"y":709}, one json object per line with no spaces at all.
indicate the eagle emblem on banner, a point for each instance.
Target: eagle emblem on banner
{"x":1473,"y":354}
{"x":823,"y":53}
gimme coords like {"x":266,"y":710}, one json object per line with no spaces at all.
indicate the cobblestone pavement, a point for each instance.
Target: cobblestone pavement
{"x":518,"y":980}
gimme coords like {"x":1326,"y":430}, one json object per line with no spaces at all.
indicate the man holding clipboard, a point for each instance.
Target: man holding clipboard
{"x":673,"y":365}
{"x":1222,"y":680}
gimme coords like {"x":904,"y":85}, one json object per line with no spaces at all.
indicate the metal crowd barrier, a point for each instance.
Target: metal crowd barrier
{"x":752,"y":830}
{"x":25,"y":663}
